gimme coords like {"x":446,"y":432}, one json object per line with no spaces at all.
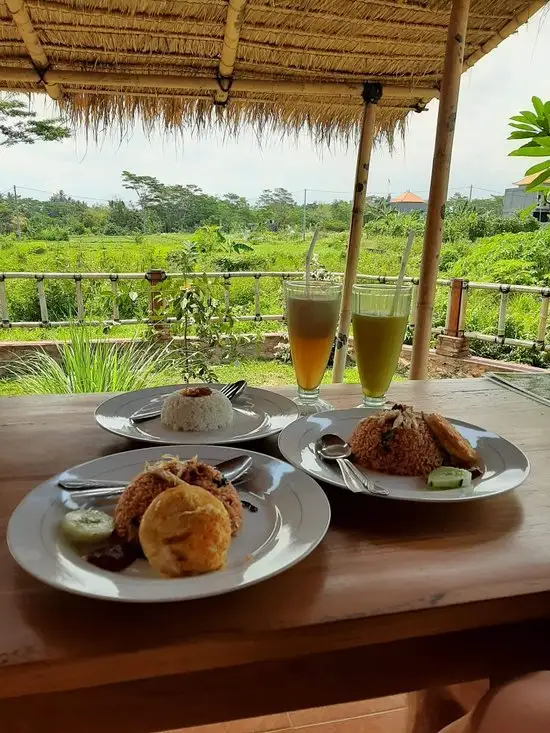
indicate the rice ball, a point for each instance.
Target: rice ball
{"x":196,"y":409}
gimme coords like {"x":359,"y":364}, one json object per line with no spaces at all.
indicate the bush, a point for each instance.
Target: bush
{"x":251,"y":262}
{"x":53,"y":234}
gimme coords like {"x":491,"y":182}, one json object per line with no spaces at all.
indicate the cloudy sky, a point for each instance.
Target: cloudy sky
{"x":498,"y":86}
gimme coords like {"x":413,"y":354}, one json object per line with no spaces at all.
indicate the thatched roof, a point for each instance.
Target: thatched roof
{"x":114,"y":60}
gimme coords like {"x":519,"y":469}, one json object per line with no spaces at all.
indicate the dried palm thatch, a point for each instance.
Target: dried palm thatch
{"x":282,"y":65}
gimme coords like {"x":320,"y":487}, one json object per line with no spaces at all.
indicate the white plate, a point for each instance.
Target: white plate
{"x":292,"y":518}
{"x":506,"y":466}
{"x":258,"y":413}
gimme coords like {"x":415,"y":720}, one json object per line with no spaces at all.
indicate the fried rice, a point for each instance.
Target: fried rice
{"x":165,"y":474}
{"x":396,"y":441}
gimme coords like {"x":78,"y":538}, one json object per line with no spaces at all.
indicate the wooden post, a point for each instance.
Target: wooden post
{"x":452,"y":341}
{"x":448,"y":102}
{"x":371,"y":95}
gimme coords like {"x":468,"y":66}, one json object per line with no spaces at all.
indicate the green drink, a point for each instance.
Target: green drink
{"x":379,"y":318}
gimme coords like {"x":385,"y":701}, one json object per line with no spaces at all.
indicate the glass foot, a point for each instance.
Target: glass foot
{"x":374,"y":403}
{"x":310,"y":403}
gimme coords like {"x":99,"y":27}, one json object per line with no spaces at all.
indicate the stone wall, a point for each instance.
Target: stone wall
{"x":440,"y":367}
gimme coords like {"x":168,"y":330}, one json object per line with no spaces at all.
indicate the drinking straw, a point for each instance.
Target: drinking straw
{"x":309,"y":256}
{"x":402,"y":270}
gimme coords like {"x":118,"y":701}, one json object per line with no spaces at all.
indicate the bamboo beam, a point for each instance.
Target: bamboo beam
{"x":446,"y":118}
{"x":359,"y":196}
{"x":22,"y":20}
{"x":511,"y":27}
{"x":233,"y":24}
{"x":123,"y":80}
{"x":205,"y":96}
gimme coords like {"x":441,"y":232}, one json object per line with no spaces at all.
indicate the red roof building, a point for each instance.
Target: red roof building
{"x":408,"y":201}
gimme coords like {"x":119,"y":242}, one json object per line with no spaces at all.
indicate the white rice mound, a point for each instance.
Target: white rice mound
{"x":201,"y":413}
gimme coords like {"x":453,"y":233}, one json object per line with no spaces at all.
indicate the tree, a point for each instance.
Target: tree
{"x":18,"y":124}
{"x":492,"y":205}
{"x":278,"y":207}
{"x":121,"y":219}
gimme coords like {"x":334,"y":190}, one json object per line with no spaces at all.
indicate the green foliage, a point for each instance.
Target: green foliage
{"x":18,"y":124}
{"x":85,"y":365}
{"x":534,"y":128}
{"x":511,"y":258}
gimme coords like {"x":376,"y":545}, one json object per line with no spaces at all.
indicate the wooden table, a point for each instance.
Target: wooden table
{"x":397,"y":597}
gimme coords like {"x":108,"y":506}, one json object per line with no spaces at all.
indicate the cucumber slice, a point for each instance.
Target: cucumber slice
{"x":87,"y":525}
{"x":447,"y":477}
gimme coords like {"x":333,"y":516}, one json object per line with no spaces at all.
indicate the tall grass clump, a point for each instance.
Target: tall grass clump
{"x":85,"y":365}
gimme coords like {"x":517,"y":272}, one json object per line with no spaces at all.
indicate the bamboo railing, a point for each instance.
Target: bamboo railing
{"x":456,"y":312}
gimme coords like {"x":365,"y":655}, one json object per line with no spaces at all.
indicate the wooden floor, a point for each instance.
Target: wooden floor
{"x":384,"y":715}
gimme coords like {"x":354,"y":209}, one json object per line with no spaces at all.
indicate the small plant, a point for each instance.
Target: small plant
{"x":282,"y":351}
{"x":319,"y":271}
{"x":202,"y":318}
{"x":85,"y":365}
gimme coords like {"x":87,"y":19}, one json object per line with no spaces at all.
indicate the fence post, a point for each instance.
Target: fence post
{"x":156,"y":304}
{"x":543,"y":319}
{"x":4,"y":302}
{"x":42,"y":300}
{"x":453,"y":342}
{"x":79,"y":299}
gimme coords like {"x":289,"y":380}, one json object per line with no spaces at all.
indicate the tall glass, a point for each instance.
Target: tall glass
{"x":379,"y":318}
{"x":312,"y":316}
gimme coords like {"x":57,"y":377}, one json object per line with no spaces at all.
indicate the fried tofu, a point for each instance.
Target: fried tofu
{"x":451,"y":441}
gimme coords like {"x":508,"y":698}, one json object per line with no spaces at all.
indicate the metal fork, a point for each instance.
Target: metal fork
{"x":231,"y":391}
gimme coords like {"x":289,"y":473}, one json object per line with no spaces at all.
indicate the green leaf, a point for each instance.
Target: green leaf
{"x":539,"y":180}
{"x":543,"y":140}
{"x":538,"y":105}
{"x":520,"y":135}
{"x":538,"y":167}
{"x":529,"y":117}
{"x":523,"y":126}
{"x":535,"y":151}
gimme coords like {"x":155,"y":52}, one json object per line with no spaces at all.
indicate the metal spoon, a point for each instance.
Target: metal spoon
{"x":231,"y":391}
{"x":232,"y":470}
{"x":333,"y":448}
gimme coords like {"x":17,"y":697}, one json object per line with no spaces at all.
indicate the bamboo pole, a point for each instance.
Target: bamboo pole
{"x":359,"y":195}
{"x":22,"y":20}
{"x":235,"y":100}
{"x":446,"y":118}
{"x":233,"y":24}
{"x":139,"y":80}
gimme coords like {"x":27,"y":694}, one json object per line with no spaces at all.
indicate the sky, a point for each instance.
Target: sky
{"x":498,"y":86}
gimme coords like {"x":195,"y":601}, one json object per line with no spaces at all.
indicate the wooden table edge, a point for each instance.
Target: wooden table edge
{"x":227,"y":651}
{"x":218,"y":695}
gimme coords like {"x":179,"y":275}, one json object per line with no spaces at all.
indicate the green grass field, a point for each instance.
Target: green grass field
{"x":522,"y":258}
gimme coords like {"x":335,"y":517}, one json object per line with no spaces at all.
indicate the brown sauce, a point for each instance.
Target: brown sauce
{"x":116,"y":556}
